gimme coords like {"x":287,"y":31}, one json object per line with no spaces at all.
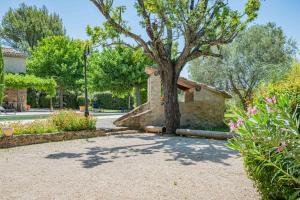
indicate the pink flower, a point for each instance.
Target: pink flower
{"x":274,"y":99}
{"x":232,"y":125}
{"x":269,"y":109}
{"x":271,"y":100}
{"x":281,"y":147}
{"x":252,"y":111}
{"x":239,"y":123}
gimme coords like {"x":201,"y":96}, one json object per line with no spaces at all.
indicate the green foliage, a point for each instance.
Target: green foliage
{"x":118,"y":70}
{"x":289,"y":85}
{"x":72,"y":121}
{"x":107,"y":100}
{"x":209,"y":71}
{"x":269,"y":141}
{"x":60,"y":58}
{"x":81,"y":100}
{"x":60,"y":121}
{"x":1,"y":76}
{"x":260,"y":54}
{"x":30,"y":81}
{"x":23,"y":27}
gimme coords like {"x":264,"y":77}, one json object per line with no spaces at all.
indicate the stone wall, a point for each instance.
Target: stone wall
{"x":13,"y":96}
{"x":22,"y":140}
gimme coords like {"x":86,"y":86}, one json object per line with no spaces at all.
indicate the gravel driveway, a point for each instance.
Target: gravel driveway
{"x":141,"y":166}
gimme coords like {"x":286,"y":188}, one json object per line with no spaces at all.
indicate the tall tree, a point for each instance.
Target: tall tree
{"x":60,"y":58}
{"x":195,"y":25}
{"x":209,"y":70}
{"x":1,"y":76}
{"x":119,"y":70}
{"x":23,"y":27}
{"x":259,"y":54}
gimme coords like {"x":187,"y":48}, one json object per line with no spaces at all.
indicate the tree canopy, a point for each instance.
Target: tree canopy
{"x":196,"y":25}
{"x":260,"y":54}
{"x":1,"y":76}
{"x":19,"y":81}
{"x":23,"y":27}
{"x":60,"y":58}
{"x":119,"y":70}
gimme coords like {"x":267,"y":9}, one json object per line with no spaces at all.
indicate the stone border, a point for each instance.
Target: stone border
{"x":22,"y":140}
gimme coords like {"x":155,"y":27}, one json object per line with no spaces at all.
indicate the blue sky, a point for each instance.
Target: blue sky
{"x":77,"y":14}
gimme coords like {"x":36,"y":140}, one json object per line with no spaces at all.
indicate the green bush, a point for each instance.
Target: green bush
{"x":106,"y":100}
{"x":60,"y":121}
{"x":81,"y":100}
{"x":269,"y":141}
{"x":72,"y":121}
{"x":290,"y":86}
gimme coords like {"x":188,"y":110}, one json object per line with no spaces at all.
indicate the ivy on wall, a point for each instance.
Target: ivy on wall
{"x":18,"y":81}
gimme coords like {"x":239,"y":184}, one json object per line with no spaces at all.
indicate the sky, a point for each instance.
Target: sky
{"x":77,"y":14}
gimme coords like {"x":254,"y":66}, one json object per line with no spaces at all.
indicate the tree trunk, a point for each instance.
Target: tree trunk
{"x":138,"y":95}
{"x":51,"y":104}
{"x":171,"y":105}
{"x":61,"y":97}
{"x":129,"y":103}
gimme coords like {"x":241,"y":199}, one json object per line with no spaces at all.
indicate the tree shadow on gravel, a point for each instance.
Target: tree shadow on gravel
{"x":186,"y":151}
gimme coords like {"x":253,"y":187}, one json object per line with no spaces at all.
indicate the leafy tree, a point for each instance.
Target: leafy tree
{"x":119,"y":70}
{"x":209,"y":70}
{"x":60,"y":58}
{"x":195,"y":25}
{"x":258,"y":55}
{"x":1,"y":76}
{"x":23,"y":27}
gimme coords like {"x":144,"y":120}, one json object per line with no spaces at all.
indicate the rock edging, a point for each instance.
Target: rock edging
{"x":29,"y":139}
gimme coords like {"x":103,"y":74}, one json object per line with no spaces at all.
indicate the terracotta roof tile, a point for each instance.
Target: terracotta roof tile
{"x":10,"y":52}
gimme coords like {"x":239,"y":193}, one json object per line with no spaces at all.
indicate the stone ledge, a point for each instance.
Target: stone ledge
{"x":22,"y":140}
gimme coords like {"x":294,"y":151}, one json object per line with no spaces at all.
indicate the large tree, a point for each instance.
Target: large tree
{"x":60,"y":58}
{"x":23,"y":27}
{"x":119,"y":70}
{"x":195,"y":25}
{"x":1,"y":76}
{"x":259,"y":54}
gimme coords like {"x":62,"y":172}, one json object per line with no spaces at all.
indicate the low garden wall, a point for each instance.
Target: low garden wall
{"x":22,"y":140}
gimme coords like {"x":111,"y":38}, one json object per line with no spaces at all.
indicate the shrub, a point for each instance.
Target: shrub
{"x":36,"y":127}
{"x":106,"y":100}
{"x":269,"y":141}
{"x":81,"y":100}
{"x":60,"y":121}
{"x":72,"y":121}
{"x":290,"y":86}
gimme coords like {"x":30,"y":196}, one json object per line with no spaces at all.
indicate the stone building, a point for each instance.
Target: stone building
{"x":203,"y":105}
{"x":14,"y":62}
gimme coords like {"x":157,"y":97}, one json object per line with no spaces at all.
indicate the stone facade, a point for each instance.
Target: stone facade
{"x":18,"y":98}
{"x":203,"y":106}
{"x":15,"y":62}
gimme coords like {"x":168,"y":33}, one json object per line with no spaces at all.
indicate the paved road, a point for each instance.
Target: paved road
{"x":141,"y":166}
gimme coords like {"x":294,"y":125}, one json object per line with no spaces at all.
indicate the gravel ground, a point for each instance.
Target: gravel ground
{"x":141,"y":166}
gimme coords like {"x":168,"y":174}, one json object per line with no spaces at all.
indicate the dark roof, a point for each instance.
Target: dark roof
{"x":185,"y":84}
{"x":10,"y":52}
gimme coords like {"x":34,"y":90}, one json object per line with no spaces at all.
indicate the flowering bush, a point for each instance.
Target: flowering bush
{"x":60,"y":121}
{"x":269,"y":141}
{"x":72,"y":121}
{"x":36,"y":127}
